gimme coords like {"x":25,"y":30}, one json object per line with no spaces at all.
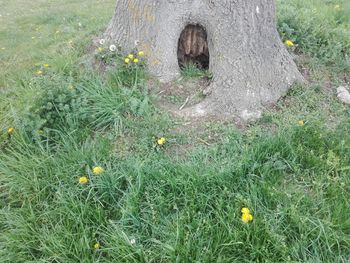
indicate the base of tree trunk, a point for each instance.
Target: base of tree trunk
{"x":251,"y":67}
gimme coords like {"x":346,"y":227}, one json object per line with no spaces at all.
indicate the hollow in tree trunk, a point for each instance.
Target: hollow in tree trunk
{"x":238,"y":39}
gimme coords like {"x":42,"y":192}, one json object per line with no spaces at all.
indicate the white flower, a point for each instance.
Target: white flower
{"x":133,"y":241}
{"x":112,"y":48}
{"x":102,"y":41}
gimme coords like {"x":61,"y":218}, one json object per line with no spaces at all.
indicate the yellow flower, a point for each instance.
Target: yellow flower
{"x":100,"y":49}
{"x":337,"y":7}
{"x":97,"y":170}
{"x":161,"y":141}
{"x":46,"y":65}
{"x":301,"y":123}
{"x":289,"y":43}
{"x":10,"y":131}
{"x":245,"y":210}
{"x":141,"y":53}
{"x":136,"y":60}
{"x":40,"y":132}
{"x":83,"y":180}
{"x":39,"y":72}
{"x":127,"y":60}
{"x":131,"y":56}
{"x":57,"y":32}
{"x":247,"y":217}
{"x":97,"y":246}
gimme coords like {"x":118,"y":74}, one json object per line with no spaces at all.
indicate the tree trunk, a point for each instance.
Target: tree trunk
{"x":249,"y":63}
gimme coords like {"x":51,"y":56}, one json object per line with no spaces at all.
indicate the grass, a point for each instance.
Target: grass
{"x":180,"y":202}
{"x":192,"y":71}
{"x":304,"y":24}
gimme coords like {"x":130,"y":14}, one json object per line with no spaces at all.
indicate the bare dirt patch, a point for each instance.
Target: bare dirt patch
{"x":182,"y":93}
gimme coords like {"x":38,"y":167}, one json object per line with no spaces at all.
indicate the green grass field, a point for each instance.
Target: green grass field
{"x":177,"y":202}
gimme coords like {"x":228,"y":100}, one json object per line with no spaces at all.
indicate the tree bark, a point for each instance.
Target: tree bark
{"x":251,"y":67}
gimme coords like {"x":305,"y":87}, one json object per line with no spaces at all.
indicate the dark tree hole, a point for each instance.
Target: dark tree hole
{"x":193,"y":47}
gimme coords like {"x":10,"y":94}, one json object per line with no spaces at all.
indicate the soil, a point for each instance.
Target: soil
{"x":182,"y":93}
{"x":178,"y":95}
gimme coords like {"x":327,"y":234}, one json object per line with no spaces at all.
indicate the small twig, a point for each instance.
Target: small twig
{"x":203,"y":141}
{"x":183,"y":105}
{"x":182,"y":123}
{"x":160,"y":92}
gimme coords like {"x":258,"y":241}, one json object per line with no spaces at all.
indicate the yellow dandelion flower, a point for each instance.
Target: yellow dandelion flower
{"x":136,"y":60}
{"x":337,"y":7}
{"x":40,"y":132}
{"x":39,"y":72}
{"x":289,"y":43}
{"x":161,"y":141}
{"x":97,"y":246}
{"x":301,"y":123}
{"x":46,"y":65}
{"x":131,"y":56}
{"x":10,"y":131}
{"x":141,"y":53}
{"x":83,"y":180}
{"x":245,"y":210}
{"x":127,"y":60}
{"x":246,"y":218}
{"x":100,"y":49}
{"x":97,"y":170}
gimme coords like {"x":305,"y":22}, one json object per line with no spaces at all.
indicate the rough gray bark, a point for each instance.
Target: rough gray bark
{"x":250,"y":65}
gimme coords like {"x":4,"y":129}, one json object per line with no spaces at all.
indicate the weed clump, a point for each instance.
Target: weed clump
{"x":91,"y":101}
